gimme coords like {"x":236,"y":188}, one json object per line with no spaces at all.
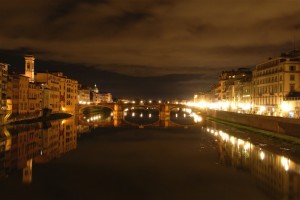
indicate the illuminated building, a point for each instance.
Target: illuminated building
{"x":20,"y":88}
{"x":95,"y":95}
{"x":105,"y":97}
{"x":234,"y":87}
{"x":84,"y":96}
{"x":53,"y":84}
{"x":29,"y":67}
{"x":3,"y":90}
{"x":34,"y":99}
{"x":276,"y":80}
{"x":62,"y":91}
{"x":68,"y":92}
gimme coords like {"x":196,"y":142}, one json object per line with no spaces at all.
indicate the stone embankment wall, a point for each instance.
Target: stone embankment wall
{"x":287,"y":126}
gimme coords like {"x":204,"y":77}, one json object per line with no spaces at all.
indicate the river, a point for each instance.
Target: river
{"x":68,"y":159}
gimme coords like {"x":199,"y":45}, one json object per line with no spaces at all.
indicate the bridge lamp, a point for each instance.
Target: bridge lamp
{"x":159,"y":101}
{"x":150,"y":101}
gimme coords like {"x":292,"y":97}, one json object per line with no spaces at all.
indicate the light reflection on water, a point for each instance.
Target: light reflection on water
{"x":150,"y":116}
{"x":23,"y":146}
{"x":278,"y":175}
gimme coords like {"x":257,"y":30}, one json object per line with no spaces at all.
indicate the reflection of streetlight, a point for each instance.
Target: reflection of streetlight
{"x":150,"y":115}
{"x":285,"y":163}
{"x":262,"y":155}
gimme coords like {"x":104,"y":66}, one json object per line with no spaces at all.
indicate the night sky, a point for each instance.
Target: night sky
{"x":146,"y":48}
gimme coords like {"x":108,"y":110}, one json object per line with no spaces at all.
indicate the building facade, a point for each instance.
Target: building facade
{"x":274,"y":81}
{"x":61,"y":91}
{"x":20,"y":84}
{"x":52,"y":84}
{"x":3,"y":90}
{"x":29,"y":67}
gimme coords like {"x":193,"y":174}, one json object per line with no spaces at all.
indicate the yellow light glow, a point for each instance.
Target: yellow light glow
{"x":285,"y":163}
{"x":241,"y":142}
{"x":247,"y":146}
{"x":262,"y":109}
{"x":232,"y":140}
{"x":286,"y":107}
{"x":262,"y":155}
{"x":233,"y":106}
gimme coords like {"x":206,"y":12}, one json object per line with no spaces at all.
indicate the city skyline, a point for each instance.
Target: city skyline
{"x":147,"y":48}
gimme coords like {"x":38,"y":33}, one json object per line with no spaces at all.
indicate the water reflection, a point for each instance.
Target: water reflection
{"x":278,"y":175}
{"x":21,"y":146}
{"x":185,"y":116}
{"x":141,"y":115}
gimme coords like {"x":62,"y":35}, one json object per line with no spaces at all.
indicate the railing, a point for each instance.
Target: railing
{"x":291,"y":98}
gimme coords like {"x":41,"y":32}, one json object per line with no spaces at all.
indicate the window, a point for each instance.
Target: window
{"x":292,"y":87}
{"x":280,"y":88}
{"x":292,"y":77}
{"x":292,"y":68}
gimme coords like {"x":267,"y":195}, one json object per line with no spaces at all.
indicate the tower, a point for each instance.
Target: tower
{"x":29,"y":67}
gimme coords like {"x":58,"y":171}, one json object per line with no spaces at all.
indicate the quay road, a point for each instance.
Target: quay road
{"x":200,"y":162}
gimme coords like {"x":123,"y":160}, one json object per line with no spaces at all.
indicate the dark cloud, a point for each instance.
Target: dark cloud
{"x":151,"y":38}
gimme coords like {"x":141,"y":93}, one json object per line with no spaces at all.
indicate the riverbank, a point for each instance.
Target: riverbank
{"x":54,"y":116}
{"x":281,"y":127}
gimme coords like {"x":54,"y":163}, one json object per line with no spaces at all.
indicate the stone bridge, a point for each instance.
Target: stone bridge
{"x":119,"y":108}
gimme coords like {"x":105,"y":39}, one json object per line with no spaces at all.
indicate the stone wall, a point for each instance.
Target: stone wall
{"x":288,"y":126}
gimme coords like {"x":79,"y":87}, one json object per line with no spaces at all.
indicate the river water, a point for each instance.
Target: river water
{"x":69,"y":159}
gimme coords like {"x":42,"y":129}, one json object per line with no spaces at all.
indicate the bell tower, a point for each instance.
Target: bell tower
{"x":29,"y":67}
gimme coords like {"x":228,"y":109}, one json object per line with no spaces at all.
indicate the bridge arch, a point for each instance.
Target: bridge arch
{"x":119,"y":108}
